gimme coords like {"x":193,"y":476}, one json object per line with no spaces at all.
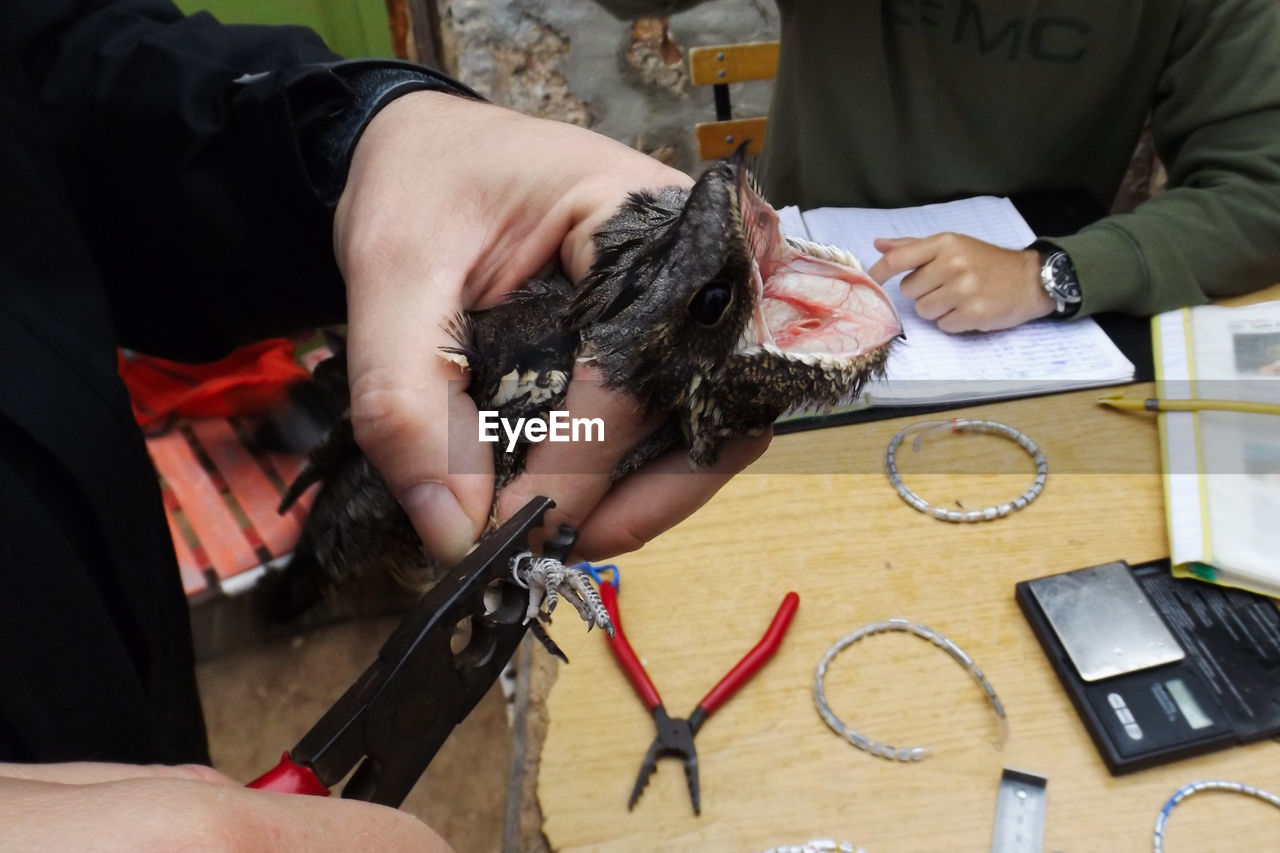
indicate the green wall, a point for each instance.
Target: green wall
{"x":350,"y":27}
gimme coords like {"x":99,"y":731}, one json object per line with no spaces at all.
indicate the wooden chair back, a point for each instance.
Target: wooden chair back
{"x":718,"y":66}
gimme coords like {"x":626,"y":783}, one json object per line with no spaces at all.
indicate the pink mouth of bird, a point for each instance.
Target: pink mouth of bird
{"x":811,"y":305}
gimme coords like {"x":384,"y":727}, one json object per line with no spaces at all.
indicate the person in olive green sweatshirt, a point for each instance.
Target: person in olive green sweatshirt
{"x":889,"y":103}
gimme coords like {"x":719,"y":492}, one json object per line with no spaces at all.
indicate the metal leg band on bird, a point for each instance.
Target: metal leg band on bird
{"x":548,"y":579}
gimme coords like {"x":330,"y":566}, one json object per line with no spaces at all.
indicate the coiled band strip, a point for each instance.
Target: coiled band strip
{"x":966,"y":425}
{"x":875,"y":747}
{"x":1157,"y":840}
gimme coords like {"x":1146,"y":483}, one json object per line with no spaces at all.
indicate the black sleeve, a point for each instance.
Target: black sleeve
{"x":187,"y":145}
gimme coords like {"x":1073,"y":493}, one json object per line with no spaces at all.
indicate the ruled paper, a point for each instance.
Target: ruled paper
{"x":932,"y":365}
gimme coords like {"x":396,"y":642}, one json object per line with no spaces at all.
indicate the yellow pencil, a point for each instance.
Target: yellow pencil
{"x":1151,"y":404}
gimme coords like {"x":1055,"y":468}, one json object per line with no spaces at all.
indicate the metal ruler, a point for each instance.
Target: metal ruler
{"x":1020,"y":806}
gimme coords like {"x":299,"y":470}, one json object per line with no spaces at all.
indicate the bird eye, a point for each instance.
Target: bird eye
{"x":708,"y":305}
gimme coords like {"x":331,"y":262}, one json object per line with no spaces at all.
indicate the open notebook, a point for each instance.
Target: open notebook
{"x":1222,"y":468}
{"x":932,"y":366}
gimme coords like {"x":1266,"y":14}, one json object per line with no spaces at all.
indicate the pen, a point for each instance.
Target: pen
{"x":1152,"y":404}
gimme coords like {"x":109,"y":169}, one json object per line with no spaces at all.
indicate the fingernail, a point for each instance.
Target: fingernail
{"x":445,"y":528}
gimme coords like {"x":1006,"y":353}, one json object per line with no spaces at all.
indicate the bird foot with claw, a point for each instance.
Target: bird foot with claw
{"x":549,"y":580}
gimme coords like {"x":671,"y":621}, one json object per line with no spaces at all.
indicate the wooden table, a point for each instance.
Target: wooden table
{"x":816,"y":515}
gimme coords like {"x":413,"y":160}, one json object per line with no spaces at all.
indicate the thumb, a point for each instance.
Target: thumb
{"x":410,"y":411}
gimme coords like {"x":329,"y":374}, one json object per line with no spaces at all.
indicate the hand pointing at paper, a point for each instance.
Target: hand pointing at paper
{"x":964,"y":284}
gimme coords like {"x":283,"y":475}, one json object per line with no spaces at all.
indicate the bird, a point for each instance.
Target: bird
{"x":697,"y":305}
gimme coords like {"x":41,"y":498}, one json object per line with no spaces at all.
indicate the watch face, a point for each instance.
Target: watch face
{"x":1063,"y":276}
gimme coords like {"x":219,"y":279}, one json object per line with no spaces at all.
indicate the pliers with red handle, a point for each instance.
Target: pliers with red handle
{"x":675,"y":734}
{"x":397,"y":714}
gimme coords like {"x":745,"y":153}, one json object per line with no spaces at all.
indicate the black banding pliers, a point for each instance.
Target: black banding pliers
{"x":426,"y":679}
{"x":675,"y":734}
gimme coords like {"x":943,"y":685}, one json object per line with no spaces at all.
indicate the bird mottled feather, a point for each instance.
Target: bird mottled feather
{"x":663,"y":314}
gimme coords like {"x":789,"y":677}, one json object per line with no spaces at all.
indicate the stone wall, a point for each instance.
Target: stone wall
{"x":570,"y":60}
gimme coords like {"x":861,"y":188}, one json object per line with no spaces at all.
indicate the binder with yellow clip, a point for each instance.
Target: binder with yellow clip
{"x":1218,"y":381}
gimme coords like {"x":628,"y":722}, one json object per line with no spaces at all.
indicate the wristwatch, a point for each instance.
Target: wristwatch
{"x":1058,"y":278}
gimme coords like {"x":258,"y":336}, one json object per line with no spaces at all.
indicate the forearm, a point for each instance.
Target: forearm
{"x":1216,"y":124}
{"x":105,"y":807}
{"x":1184,"y":247}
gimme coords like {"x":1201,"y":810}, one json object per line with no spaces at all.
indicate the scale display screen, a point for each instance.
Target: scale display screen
{"x":1187,"y":704}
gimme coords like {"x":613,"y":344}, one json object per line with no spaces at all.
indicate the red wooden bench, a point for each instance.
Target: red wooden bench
{"x":220,"y":496}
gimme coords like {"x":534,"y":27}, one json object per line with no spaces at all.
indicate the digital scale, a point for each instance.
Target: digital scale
{"x":1159,"y":668}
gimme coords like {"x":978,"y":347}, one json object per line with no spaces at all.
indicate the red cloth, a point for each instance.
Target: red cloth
{"x":250,"y":380}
